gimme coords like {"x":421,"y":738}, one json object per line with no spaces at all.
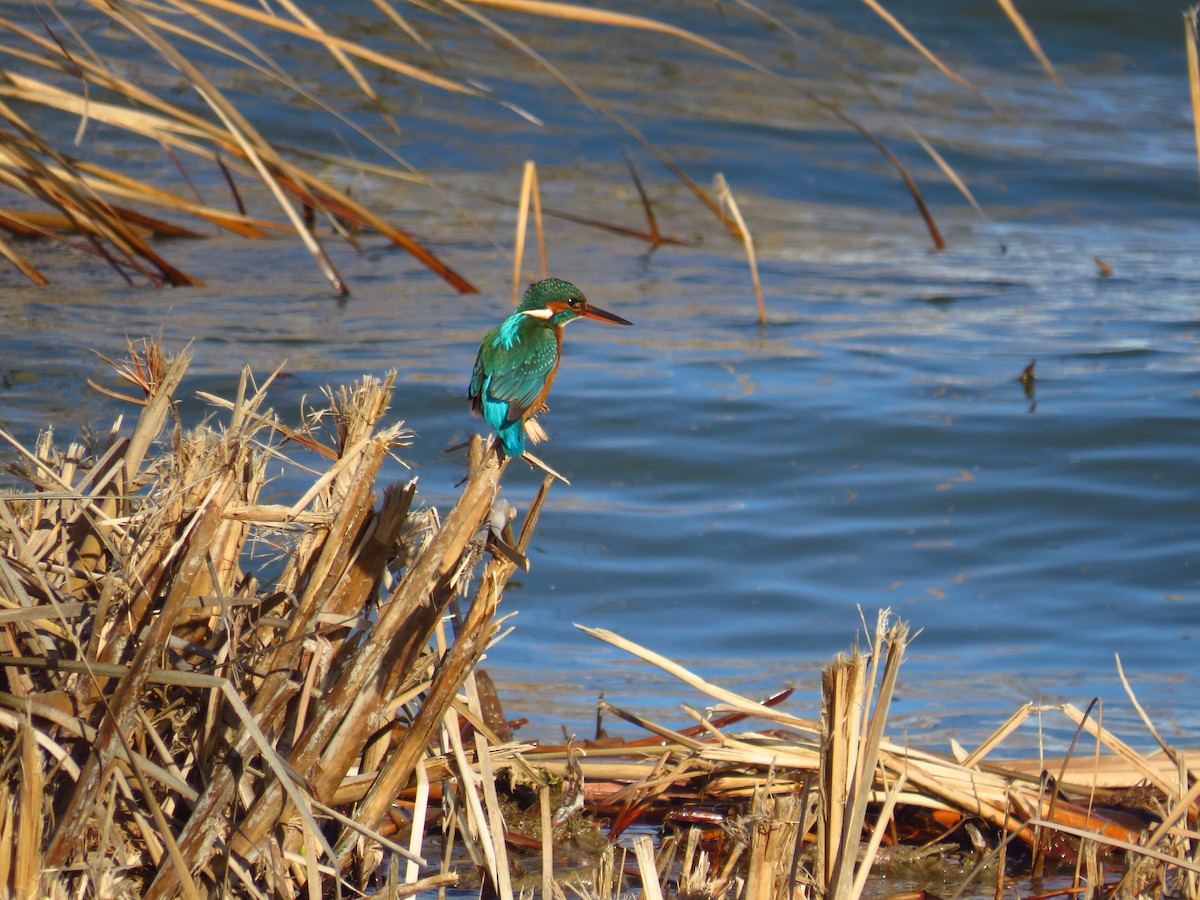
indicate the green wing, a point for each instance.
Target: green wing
{"x":509,"y":377}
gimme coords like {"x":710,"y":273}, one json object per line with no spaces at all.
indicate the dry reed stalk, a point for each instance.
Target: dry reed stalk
{"x":1192,"y":38}
{"x":643,"y":848}
{"x":894,"y":638}
{"x":260,"y":154}
{"x":334,"y":737}
{"x":530,"y":195}
{"x":733,"y":701}
{"x":28,"y":173}
{"x":882,"y":819}
{"x":916,"y":44}
{"x":122,"y":547}
{"x":1030,"y":39}
{"x":775,"y":824}
{"x":483,"y":829}
{"x":17,"y":225}
{"x":1114,"y":772}
{"x":725,"y":197}
{"x":695,"y":872}
{"x":473,"y":507}
{"x":1179,"y":760}
{"x":843,"y":688}
{"x":502,"y":876}
{"x":547,"y":835}
{"x":29,"y":815}
{"x":1123,"y":750}
{"x":970,"y":760}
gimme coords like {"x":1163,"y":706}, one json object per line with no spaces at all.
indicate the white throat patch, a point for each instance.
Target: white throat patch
{"x":538,"y":313}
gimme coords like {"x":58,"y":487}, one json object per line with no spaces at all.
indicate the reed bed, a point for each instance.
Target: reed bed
{"x":208,"y":694}
{"x":172,"y":726}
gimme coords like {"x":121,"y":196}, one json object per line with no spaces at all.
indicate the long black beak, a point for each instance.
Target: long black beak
{"x":594,"y":312}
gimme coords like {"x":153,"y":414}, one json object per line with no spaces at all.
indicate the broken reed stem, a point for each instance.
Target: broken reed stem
{"x":29,"y":813}
{"x":842,"y":689}
{"x":775,"y":823}
{"x":502,"y":876}
{"x":419,"y":816}
{"x":643,"y":848}
{"x":858,"y":769}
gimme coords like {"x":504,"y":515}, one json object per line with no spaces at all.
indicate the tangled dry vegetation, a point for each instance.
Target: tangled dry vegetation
{"x":165,"y":77}
{"x":166,"y":711}
{"x":173,"y":726}
{"x":810,"y":808}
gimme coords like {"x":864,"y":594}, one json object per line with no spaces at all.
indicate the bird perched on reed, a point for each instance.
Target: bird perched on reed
{"x":518,"y":359}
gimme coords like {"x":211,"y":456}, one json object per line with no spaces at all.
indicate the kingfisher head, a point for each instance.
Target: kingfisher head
{"x":559,"y":302}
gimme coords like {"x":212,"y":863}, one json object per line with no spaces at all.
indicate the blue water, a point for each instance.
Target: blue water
{"x":738,"y":493}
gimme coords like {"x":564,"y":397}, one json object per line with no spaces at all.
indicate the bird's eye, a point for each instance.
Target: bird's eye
{"x":574,"y":302}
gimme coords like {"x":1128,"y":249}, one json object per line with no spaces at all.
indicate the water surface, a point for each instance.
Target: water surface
{"x":738,"y":494}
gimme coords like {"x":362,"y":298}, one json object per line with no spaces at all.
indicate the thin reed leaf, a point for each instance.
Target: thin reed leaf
{"x":878,"y":8}
{"x":735,"y":701}
{"x":725,"y":196}
{"x":332,"y":42}
{"x":1170,"y":751}
{"x":1192,"y":38}
{"x":19,"y":262}
{"x":1030,"y":39}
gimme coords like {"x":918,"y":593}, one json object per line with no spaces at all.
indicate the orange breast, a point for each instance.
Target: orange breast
{"x":539,"y":404}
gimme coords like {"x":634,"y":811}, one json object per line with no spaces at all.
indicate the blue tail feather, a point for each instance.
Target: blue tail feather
{"x":510,"y":432}
{"x":512,"y":438}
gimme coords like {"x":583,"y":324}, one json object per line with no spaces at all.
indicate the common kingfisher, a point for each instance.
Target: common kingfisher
{"x":518,"y":359}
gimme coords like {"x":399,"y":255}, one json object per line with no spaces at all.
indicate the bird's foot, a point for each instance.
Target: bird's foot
{"x":534,"y":431}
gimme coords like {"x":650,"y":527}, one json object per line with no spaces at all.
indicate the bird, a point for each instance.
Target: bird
{"x":518,"y":359}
